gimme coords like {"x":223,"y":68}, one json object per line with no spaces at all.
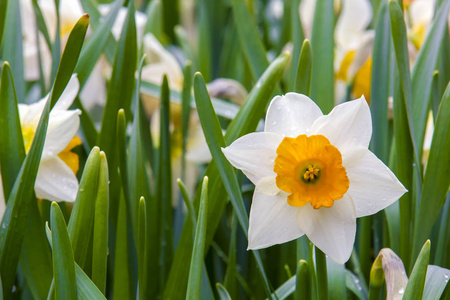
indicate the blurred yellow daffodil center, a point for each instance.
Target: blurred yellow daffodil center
{"x":310,"y":170}
{"x":361,"y":81}
{"x":67,"y":156}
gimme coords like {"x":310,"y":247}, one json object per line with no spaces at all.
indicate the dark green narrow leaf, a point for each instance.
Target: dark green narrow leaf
{"x":56,"y":47}
{"x":398,"y":30}
{"x":213,"y":134}
{"x":422,"y":73}
{"x":35,"y":257}
{"x":322,"y":42}
{"x":122,"y":288}
{"x":185,"y":112}
{"x":436,"y":181}
{"x":16,"y":214}
{"x":63,"y":260}
{"x":322,"y":277}
{"x":12,"y":151}
{"x":69,"y":58}
{"x":3,"y":7}
{"x":171,"y":17}
{"x":12,"y":47}
{"x":96,"y":43}
{"x":132,"y":207}
{"x":204,"y":40}
{"x":142,"y":248}
{"x":86,"y":289}
{"x":81,"y":221}
{"x":379,"y":91}
{"x":187,"y":201}
{"x":303,"y":74}
{"x":198,"y":253}
{"x":214,"y":138}
{"x":230,"y":275}
{"x":249,"y":38}
{"x":245,"y":121}
{"x":416,"y":282}
{"x":100,"y":241}
{"x":302,"y":282}
{"x":164,"y":195}
{"x":40,"y":23}
{"x":297,"y":39}
{"x":121,"y":85}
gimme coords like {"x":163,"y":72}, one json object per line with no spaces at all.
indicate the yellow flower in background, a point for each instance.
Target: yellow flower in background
{"x":419,"y":17}
{"x":353,"y":61}
{"x":313,"y":174}
{"x":56,"y":180}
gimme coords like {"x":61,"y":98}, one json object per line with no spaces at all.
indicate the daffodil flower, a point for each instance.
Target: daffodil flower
{"x":94,"y":91}
{"x":353,"y":61}
{"x":56,"y":180}
{"x":313,"y":174}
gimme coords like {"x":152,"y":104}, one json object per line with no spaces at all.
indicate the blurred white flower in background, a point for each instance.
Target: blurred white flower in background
{"x":353,"y":48}
{"x":313,"y":174}
{"x":56,"y":180}
{"x":94,"y":90}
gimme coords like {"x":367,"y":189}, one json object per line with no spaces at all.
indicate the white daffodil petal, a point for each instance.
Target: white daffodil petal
{"x":62,"y":127}
{"x":353,"y":21}
{"x":268,"y":186}
{"x":272,"y":221}
{"x":69,"y":94}
{"x":348,"y":126}
{"x":373,"y":186}
{"x":291,"y":115}
{"x":55,"y":181}
{"x":332,"y":229}
{"x":254,"y":154}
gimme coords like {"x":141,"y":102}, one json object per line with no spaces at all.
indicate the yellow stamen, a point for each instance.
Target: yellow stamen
{"x":310,"y":170}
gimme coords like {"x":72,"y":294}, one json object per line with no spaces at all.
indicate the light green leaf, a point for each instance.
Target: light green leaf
{"x":302,"y":282}
{"x":198,"y":253}
{"x":436,"y":180}
{"x":12,"y":151}
{"x":63,"y":260}
{"x":415,"y":287}
{"x":222,"y":291}
{"x":379,"y":91}
{"x":322,"y":42}
{"x":81,"y":220}
{"x":303,"y":74}
{"x":249,"y":38}
{"x":100,"y":240}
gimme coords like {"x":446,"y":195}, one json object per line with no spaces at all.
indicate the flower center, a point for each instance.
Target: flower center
{"x":311,"y":173}
{"x":310,"y":170}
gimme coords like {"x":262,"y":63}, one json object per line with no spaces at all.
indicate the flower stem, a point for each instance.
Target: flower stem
{"x":322,"y":278}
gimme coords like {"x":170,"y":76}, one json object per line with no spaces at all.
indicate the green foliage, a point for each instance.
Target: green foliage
{"x":132,"y":232}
